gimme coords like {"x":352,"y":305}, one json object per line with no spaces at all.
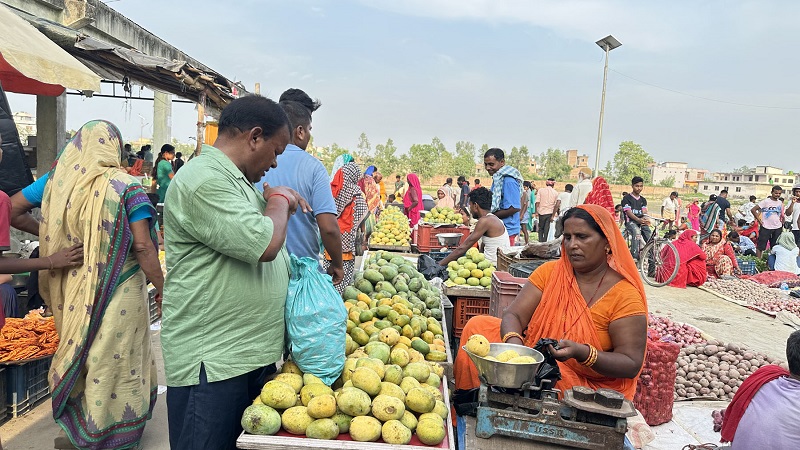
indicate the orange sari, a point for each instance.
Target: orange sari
{"x":563,"y":309}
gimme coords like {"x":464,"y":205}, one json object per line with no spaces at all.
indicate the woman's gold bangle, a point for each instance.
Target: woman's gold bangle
{"x":511,"y":334}
{"x":592,"y":358}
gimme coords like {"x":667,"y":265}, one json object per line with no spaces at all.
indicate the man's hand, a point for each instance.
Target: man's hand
{"x":292,"y":197}
{"x":336,"y":273}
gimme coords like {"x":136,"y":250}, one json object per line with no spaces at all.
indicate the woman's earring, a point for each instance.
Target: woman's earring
{"x":608,"y":250}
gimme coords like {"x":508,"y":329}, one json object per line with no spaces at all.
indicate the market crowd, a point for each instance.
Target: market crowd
{"x":234,"y":214}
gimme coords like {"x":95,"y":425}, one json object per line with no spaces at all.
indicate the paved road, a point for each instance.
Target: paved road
{"x":722,"y":320}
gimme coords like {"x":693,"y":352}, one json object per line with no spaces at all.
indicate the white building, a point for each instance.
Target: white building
{"x":758,"y":183}
{"x":26,"y":125}
{"x":669,"y":170}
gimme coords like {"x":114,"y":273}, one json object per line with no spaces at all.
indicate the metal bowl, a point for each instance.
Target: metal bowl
{"x":506,"y":375}
{"x":449,"y":239}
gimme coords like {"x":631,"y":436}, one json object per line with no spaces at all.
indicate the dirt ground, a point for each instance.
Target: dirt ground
{"x":722,"y":320}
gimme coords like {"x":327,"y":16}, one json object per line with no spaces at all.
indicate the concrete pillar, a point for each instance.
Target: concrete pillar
{"x":51,"y":130}
{"x":162,"y":120}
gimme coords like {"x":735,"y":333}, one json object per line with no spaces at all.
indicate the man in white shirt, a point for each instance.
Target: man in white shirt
{"x":793,"y":211}
{"x":668,"y":208}
{"x":582,"y":189}
{"x":563,"y":203}
{"x":744,"y":210}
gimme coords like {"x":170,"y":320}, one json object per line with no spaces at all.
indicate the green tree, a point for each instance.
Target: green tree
{"x":184,"y":148}
{"x":385,"y":158}
{"x":364,"y":150}
{"x":608,"y":172}
{"x":744,"y":169}
{"x":423,"y":160}
{"x":667,"y":182}
{"x":327,"y":155}
{"x":631,"y":160}
{"x":520,"y":159}
{"x":554,"y":164}
{"x":464,"y":160}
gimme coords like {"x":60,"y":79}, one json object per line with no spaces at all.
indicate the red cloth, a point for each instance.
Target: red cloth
{"x":745,"y":395}
{"x":692,"y":269}
{"x":601,"y":195}
{"x":413,"y":213}
{"x":5,"y":221}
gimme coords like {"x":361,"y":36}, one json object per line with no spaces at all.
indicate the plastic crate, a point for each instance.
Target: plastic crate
{"x":3,"y":395}
{"x":504,"y":290}
{"x":747,"y":267}
{"x":505,"y":260}
{"x":155,"y":314}
{"x":26,"y":385}
{"x":465,"y":309}
{"x":525,"y":269}
{"x":426,"y":236}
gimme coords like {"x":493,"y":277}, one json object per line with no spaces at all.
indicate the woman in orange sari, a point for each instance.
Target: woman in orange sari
{"x":592,"y":300}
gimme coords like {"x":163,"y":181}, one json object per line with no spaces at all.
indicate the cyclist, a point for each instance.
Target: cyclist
{"x":634,"y":207}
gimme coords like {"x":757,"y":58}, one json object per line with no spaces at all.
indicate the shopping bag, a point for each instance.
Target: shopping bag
{"x":316,"y":321}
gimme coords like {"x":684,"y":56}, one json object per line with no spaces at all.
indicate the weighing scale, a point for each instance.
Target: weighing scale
{"x":583,"y":418}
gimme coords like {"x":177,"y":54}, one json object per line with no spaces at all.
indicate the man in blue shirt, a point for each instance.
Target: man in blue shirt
{"x":506,"y":197}
{"x":306,"y":175}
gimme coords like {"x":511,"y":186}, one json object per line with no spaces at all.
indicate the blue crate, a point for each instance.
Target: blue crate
{"x":747,"y":267}
{"x":26,"y":385}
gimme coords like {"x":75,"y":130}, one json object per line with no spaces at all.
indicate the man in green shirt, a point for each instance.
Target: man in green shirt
{"x":227,"y":276}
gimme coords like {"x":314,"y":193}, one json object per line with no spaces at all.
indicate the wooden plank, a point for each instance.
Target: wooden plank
{"x":391,"y":248}
{"x":456,"y":291}
{"x":738,"y":302}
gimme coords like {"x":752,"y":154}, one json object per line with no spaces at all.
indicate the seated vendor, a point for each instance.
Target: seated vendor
{"x":764,"y":411}
{"x":592,"y":300}
{"x":489,"y":229}
{"x":742,"y":245}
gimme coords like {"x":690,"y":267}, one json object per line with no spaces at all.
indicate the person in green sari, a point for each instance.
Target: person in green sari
{"x":162,"y":170}
{"x":103,"y":376}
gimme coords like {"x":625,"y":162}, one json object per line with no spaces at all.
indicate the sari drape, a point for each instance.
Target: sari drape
{"x":563,"y":309}
{"x":103,"y":377}
{"x":413,"y":213}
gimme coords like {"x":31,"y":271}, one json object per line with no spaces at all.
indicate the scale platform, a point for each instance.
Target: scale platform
{"x":537,"y":415}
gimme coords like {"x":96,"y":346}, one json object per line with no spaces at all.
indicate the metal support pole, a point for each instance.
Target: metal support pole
{"x":602,"y":109}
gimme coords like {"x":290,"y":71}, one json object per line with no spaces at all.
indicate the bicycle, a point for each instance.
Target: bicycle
{"x":654,"y":255}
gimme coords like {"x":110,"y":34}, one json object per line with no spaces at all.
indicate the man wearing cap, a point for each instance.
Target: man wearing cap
{"x":582,"y":189}
{"x":793,"y":211}
{"x":546,"y":199}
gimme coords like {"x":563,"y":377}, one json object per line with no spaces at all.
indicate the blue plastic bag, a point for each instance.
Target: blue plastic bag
{"x":316,"y":321}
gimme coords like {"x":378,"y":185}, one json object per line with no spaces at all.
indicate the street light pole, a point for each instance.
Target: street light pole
{"x":608,"y":43}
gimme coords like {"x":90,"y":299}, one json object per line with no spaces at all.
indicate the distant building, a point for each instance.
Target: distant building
{"x":576,"y":162}
{"x":26,"y":125}
{"x":680,"y":172}
{"x":759,"y":182}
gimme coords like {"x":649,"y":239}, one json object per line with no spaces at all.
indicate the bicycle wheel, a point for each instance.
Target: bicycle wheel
{"x":656,"y":262}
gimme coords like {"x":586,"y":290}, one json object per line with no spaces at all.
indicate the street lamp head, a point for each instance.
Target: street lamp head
{"x":609,"y":42}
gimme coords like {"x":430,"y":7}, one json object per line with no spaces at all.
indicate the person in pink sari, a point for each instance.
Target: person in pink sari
{"x":412,"y":201}
{"x":693,"y":215}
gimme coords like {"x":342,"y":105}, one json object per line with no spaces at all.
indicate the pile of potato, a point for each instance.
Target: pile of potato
{"x":669,"y":331}
{"x":754,"y":294}
{"x":715,"y":370}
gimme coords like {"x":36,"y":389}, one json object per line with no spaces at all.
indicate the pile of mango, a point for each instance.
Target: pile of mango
{"x":472,"y":269}
{"x":373,"y":399}
{"x":392,"y":228}
{"x":389,"y":279}
{"x":444,"y":215}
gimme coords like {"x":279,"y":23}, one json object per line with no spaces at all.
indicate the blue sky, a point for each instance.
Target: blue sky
{"x":500,"y":72}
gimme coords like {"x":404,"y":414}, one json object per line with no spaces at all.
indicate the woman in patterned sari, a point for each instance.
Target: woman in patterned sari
{"x":103,"y":377}
{"x":351,"y":210}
